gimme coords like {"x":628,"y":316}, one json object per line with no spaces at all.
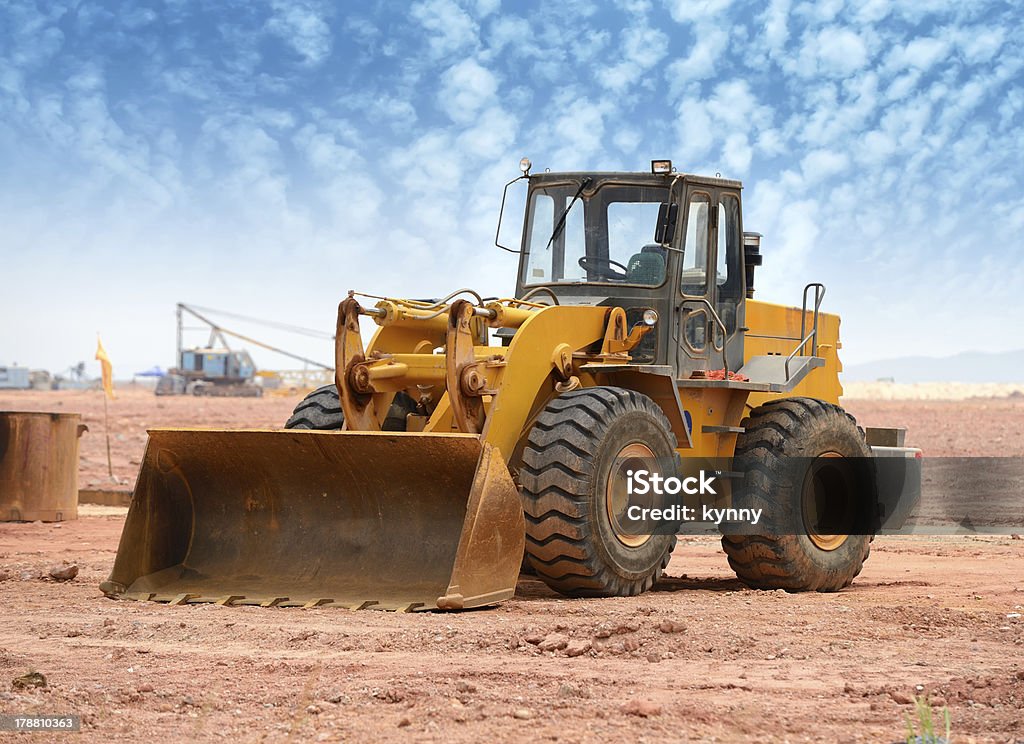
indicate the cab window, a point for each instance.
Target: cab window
{"x":695,"y":247}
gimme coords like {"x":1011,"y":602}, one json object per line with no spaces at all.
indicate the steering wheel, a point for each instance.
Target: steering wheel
{"x":603,"y":267}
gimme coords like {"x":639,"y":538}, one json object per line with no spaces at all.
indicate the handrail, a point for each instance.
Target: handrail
{"x":819,"y":295}
{"x":792,"y":354}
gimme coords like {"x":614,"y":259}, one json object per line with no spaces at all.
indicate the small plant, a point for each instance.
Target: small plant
{"x":926,"y":724}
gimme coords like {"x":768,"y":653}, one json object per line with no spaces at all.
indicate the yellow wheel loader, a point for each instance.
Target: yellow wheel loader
{"x":470,"y":432}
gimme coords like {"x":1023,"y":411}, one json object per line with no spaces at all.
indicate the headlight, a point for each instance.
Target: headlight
{"x":650,"y":317}
{"x":525,"y":165}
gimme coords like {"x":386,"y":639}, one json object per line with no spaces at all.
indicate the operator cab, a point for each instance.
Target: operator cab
{"x":665,"y":241}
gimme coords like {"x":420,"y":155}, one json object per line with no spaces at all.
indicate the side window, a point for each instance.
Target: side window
{"x":542,"y":217}
{"x":695,"y":249}
{"x":728,"y":235}
{"x":695,"y":331}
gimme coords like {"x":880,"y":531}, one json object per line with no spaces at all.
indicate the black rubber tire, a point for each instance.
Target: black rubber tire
{"x":321,"y":410}
{"x":780,"y":438}
{"x":570,"y":450}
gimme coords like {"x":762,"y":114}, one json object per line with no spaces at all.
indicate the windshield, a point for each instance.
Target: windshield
{"x":604,"y":237}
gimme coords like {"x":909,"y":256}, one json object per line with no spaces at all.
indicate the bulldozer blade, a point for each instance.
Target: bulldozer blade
{"x":379,"y":520}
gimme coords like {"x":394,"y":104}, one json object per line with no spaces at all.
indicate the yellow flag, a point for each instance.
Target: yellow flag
{"x":108,"y":372}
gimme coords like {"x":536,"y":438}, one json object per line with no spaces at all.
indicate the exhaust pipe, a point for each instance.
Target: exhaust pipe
{"x":751,"y":258}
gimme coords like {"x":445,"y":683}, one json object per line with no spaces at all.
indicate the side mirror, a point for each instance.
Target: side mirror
{"x":666,"y":228}
{"x":519,"y":200}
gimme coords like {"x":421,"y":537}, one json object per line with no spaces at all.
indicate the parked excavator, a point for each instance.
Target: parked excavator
{"x":473,"y":435}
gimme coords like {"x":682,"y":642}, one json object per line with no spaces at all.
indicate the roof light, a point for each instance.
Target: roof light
{"x":525,"y":165}
{"x":661,"y":166}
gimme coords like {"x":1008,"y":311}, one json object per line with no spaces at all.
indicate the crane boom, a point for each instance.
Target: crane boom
{"x":248,"y":339}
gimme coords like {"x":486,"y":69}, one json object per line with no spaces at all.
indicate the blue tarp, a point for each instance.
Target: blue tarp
{"x":151,"y":372}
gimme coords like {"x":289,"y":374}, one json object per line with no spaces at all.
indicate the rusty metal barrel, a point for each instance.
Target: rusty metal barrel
{"x":39,"y":466}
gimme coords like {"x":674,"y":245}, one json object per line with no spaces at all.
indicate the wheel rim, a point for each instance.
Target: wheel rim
{"x":821,"y":505}
{"x":616,"y":498}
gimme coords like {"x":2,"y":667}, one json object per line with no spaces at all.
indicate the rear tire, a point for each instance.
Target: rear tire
{"x":321,"y":410}
{"x":776,"y":453}
{"x":571,"y":543}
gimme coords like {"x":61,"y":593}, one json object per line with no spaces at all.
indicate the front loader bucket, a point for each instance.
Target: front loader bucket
{"x":397,"y":521}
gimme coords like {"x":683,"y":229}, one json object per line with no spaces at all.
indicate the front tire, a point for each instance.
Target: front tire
{"x":321,"y":410}
{"x":577,"y":444}
{"x":791,"y":456}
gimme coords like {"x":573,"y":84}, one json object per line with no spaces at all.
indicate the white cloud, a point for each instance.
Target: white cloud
{"x":737,"y":154}
{"x":644,"y":46}
{"x":734,"y":104}
{"x":487,"y":7}
{"x":732,"y":118}
{"x":627,"y":139}
{"x":1010,"y":107}
{"x":641,"y":49}
{"x":323,"y":151}
{"x":35,"y":37}
{"x":903,"y":85}
{"x":906,"y":123}
{"x":834,"y":112}
{"x":689,"y":11}
{"x":578,"y":134}
{"x":466,"y":87}
{"x":513,"y":33}
{"x":918,"y":54}
{"x":421,"y":162}
{"x":832,"y":51}
{"x":353,"y":202}
{"x":303,"y":27}
{"x":819,"y":11}
{"x":871,"y":11}
{"x":821,"y":164}
{"x":711,"y":44}
{"x":637,"y":7}
{"x":980,"y":45}
{"x":493,"y":134}
{"x":875,"y":148}
{"x":776,"y":25}
{"x":841,"y":50}
{"x":694,"y":129}
{"x":451,"y":29}
{"x":771,"y":142}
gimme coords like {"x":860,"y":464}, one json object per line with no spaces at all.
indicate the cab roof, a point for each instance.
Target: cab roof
{"x":638,"y":177}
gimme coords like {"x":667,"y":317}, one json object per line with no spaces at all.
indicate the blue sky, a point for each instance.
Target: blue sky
{"x":265,"y":157}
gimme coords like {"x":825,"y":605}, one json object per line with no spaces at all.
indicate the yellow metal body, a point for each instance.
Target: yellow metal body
{"x":410,"y":355}
{"x":430,"y":519}
{"x":775,"y":329}
{"x":554,"y":345}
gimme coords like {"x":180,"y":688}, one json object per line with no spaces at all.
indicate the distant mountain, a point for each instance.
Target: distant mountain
{"x":968,"y":366}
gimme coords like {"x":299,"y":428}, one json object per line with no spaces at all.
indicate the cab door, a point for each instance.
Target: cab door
{"x":695,"y":292}
{"x":727,"y":283}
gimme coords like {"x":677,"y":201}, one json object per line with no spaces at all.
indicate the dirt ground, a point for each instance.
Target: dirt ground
{"x":698,"y":659}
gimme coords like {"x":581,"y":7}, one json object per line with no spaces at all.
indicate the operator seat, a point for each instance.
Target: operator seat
{"x":647,"y":266}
